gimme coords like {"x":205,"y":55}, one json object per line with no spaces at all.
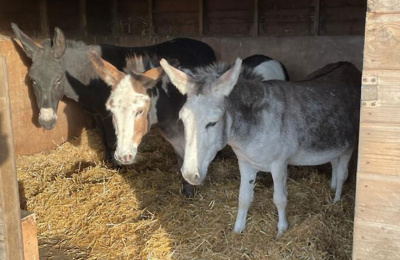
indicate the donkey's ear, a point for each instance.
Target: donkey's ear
{"x":106,"y":71}
{"x":59,"y":43}
{"x":150,"y":78}
{"x":155,"y":73}
{"x":228,"y":80}
{"x":30,"y":47}
{"x":180,"y":79}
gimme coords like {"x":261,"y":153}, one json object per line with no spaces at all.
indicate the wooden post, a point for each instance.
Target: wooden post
{"x":29,"y":234}
{"x":44,"y":18}
{"x":114,"y":17}
{"x":317,"y":17}
{"x":150,"y":16}
{"x":82,"y":16}
{"x":255,"y":21}
{"x":201,"y":17}
{"x":9,"y":198}
{"x":377,"y":210}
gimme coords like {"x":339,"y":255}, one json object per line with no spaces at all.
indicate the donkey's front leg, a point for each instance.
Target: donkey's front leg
{"x":279,"y":175}
{"x":247,"y":180}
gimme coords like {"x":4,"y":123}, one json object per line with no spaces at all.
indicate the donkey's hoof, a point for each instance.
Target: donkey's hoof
{"x":188,"y":190}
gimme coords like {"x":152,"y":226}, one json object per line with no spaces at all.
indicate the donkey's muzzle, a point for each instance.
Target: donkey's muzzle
{"x":47,"y":118}
{"x":125,"y":159}
{"x":193,"y":177}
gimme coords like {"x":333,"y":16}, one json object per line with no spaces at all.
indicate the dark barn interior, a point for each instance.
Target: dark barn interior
{"x":145,"y":223}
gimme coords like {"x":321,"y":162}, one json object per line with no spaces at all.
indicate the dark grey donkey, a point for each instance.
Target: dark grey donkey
{"x":269,"y":125}
{"x":62,"y":68}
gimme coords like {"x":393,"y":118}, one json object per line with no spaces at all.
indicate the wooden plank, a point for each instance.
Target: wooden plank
{"x":378,"y":198}
{"x":8,"y":173}
{"x":317,"y":17}
{"x":383,"y":6}
{"x":376,"y":241}
{"x":29,"y":233}
{"x":201,"y":17}
{"x":379,"y":150}
{"x":150,"y":16}
{"x":380,"y":97}
{"x":44,"y":18}
{"x":114,"y":17}
{"x":380,"y":115}
{"x":255,"y":21}
{"x":2,"y":240}
{"x":382,"y":42}
{"x":82,"y":16}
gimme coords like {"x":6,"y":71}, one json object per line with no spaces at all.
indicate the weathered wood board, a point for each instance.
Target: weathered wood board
{"x":377,"y":213}
{"x":10,"y":212}
{"x":29,"y":234}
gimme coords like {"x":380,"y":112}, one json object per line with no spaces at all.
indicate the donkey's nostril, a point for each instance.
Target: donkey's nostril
{"x":130,"y":157}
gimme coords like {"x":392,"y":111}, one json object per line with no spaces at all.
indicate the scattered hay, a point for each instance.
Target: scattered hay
{"x":86,"y":210}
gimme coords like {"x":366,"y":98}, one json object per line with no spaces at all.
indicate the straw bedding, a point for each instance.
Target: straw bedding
{"x":85,"y":210}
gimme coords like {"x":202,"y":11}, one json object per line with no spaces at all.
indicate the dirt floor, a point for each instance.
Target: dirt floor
{"x":85,"y":210}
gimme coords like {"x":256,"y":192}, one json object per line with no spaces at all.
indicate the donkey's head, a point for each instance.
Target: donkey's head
{"x":129,"y":102}
{"x":203,"y":114}
{"x":46,"y":73}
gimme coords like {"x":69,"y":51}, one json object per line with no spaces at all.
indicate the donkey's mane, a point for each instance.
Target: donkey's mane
{"x":140,"y":63}
{"x":204,"y":76}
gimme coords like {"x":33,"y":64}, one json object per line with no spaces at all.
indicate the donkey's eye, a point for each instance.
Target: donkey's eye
{"x":139,"y":112}
{"x":58,"y":81}
{"x":211,"y":124}
{"x":33,"y":82}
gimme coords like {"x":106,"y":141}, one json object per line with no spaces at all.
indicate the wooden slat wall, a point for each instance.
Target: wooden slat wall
{"x":229,"y":17}
{"x":183,"y":18}
{"x":176,"y":17}
{"x":377,"y":214}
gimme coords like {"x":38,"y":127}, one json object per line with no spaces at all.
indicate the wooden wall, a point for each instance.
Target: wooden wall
{"x":377,"y":214}
{"x":186,"y":18}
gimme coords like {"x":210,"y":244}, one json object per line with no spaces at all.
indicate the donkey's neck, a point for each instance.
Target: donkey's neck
{"x":246,"y":108}
{"x":168,"y":104}
{"x":78,"y":66}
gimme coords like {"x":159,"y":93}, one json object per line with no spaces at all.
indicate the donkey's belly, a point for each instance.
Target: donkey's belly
{"x":314,"y":158}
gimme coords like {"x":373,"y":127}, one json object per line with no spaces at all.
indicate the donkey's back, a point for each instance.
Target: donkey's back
{"x":321,"y":113}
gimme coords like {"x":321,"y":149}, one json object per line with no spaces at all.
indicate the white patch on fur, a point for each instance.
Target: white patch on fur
{"x":47,"y":114}
{"x":164,"y":83}
{"x":270,"y":70}
{"x":124,"y":102}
